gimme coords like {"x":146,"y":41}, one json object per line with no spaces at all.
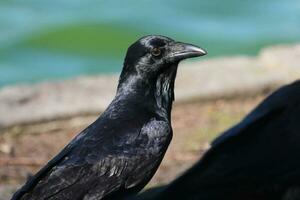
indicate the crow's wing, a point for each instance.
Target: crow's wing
{"x":82,"y":180}
{"x":32,"y":181}
{"x":75,"y":168}
{"x":99,"y":166}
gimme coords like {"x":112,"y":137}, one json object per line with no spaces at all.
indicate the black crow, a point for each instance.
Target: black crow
{"x":119,"y":153}
{"x":258,"y":159}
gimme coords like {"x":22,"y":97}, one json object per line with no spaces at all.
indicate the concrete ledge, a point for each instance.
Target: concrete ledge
{"x":210,"y":78}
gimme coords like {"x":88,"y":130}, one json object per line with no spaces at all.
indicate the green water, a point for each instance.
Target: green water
{"x":51,"y":39}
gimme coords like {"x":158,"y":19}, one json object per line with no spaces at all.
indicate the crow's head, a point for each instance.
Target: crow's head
{"x":151,"y":55}
{"x":150,"y":67}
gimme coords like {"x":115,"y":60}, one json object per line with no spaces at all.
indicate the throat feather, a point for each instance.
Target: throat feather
{"x":164,"y":94}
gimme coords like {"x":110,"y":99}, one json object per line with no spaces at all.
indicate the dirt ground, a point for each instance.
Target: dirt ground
{"x":24,"y":149}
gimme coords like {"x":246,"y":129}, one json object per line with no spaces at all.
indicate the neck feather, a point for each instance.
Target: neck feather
{"x":157,"y":92}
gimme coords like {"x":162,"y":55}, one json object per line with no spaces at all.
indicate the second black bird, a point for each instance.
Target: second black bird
{"x":119,"y":153}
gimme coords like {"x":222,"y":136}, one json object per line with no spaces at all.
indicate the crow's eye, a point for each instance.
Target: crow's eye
{"x":156,"y":52}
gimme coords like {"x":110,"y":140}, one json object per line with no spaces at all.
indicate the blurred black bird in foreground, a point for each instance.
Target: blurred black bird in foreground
{"x":119,"y":153}
{"x":258,"y":159}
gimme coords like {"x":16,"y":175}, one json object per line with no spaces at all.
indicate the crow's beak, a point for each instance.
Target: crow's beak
{"x":180,"y":51}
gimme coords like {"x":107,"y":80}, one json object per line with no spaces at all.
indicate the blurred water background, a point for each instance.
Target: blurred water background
{"x":53,"y":39}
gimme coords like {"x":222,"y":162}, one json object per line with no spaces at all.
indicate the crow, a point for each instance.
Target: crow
{"x":119,"y":153}
{"x":258,"y":159}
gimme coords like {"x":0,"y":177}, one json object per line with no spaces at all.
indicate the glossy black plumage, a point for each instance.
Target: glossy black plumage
{"x":258,"y":159}
{"x":119,"y":153}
